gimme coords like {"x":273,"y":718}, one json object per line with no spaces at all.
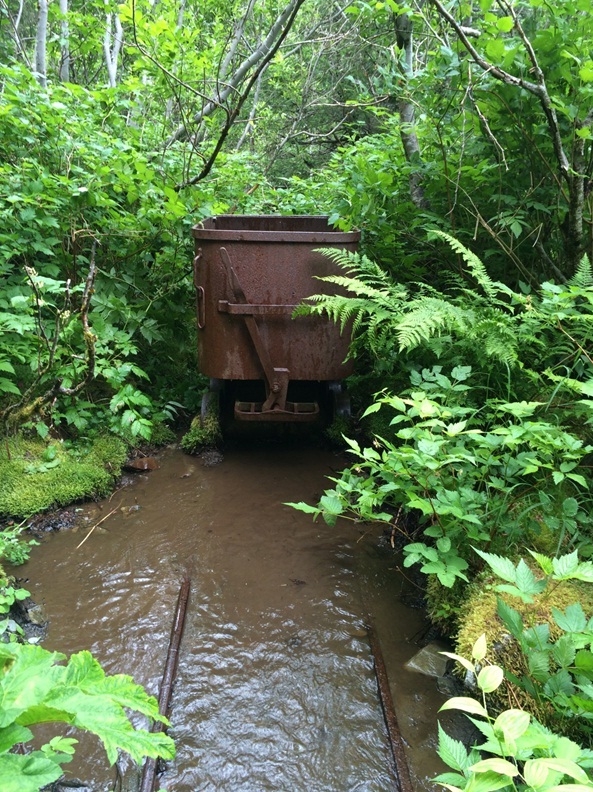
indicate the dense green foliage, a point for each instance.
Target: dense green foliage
{"x":488,"y":453}
{"x":121,"y":126}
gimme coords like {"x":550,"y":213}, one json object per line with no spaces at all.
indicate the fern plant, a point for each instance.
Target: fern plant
{"x":366,"y":297}
{"x":382,"y":310}
{"x":543,"y":338}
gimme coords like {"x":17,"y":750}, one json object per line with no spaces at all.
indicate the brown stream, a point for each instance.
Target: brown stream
{"x":275,"y":689}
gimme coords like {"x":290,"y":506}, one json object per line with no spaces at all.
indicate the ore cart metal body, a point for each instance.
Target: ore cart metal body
{"x":250,"y":272}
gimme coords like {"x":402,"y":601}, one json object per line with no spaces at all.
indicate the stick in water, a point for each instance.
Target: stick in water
{"x":96,"y":525}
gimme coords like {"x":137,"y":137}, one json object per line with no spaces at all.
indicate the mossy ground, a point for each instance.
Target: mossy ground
{"x":36,"y":475}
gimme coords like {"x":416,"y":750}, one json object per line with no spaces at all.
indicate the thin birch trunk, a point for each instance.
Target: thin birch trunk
{"x":41,"y":43}
{"x":407,"y":129}
{"x":14,"y":22}
{"x":65,"y":31}
{"x":112,"y":43}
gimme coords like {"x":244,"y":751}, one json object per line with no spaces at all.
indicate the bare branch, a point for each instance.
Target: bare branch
{"x":538,"y":89}
{"x":246,"y":90}
{"x":16,"y":36}
{"x":260,"y":57}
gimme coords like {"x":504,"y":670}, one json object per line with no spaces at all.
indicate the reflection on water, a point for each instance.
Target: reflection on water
{"x":275,"y":688}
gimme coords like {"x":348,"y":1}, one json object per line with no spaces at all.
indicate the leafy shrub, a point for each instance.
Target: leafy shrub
{"x":544,"y":641}
{"x":518,"y":754}
{"x":464,"y":472}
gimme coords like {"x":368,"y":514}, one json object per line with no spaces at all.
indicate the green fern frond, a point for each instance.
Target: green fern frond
{"x":425,"y":317}
{"x":476,"y":267}
{"x":499,"y":342}
{"x":583,"y":277}
{"x":356,"y":263}
{"x":372,"y":298}
{"x":361,"y":288}
{"x":372,"y":304}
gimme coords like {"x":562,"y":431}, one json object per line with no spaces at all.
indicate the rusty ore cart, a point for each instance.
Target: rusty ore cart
{"x":250,"y":272}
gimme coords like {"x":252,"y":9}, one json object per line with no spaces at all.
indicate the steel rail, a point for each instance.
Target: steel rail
{"x":396,"y":741}
{"x":150,"y":765}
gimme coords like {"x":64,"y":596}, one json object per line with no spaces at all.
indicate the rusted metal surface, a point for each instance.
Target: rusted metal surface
{"x":396,"y":742}
{"x":250,"y":272}
{"x":150,"y":765}
{"x":275,"y":263}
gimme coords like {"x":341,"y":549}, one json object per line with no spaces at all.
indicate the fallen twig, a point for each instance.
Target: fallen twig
{"x":96,"y":525}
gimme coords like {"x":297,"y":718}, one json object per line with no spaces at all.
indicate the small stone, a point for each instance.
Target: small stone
{"x":211,"y":458}
{"x":37,"y":615}
{"x":141,"y":464}
{"x":429,"y":661}
{"x":449,"y":686}
{"x":359,"y":632}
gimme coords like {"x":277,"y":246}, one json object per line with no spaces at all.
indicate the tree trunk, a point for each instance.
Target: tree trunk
{"x":65,"y":59}
{"x":407,"y":131}
{"x":14,"y":22}
{"x":41,"y":43}
{"x":112,"y":42}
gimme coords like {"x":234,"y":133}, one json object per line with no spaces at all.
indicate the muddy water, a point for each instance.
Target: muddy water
{"x":275,"y":689}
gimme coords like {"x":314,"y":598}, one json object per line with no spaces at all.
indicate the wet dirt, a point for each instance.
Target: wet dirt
{"x":275,"y":687}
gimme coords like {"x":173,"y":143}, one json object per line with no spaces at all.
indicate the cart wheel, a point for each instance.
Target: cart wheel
{"x":340,"y":400}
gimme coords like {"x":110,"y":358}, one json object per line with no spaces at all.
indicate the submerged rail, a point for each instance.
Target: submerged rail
{"x":396,"y":741}
{"x":166,"y":689}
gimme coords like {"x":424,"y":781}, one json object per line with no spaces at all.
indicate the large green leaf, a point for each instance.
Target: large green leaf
{"x":513,"y":723}
{"x":13,"y":734}
{"x":27,"y":773}
{"x":452,"y":752}
{"x":490,"y":678}
{"x":465,"y":704}
{"x":98,"y":713}
{"x":30,"y":677}
{"x":84,"y":672}
{"x":35,"y":690}
{"x":573,"y":618}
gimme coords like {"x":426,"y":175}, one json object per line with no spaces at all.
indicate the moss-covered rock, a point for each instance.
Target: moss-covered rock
{"x":478,"y":615}
{"x":202,"y":433}
{"x":340,"y":427}
{"x":36,"y":475}
{"x":161,"y":434}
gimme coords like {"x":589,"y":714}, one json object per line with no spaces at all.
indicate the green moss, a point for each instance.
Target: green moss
{"x":443,"y":603}
{"x":161,"y":434}
{"x":339,"y":427}
{"x":202,"y":433}
{"x":478,"y":616}
{"x":36,"y":475}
